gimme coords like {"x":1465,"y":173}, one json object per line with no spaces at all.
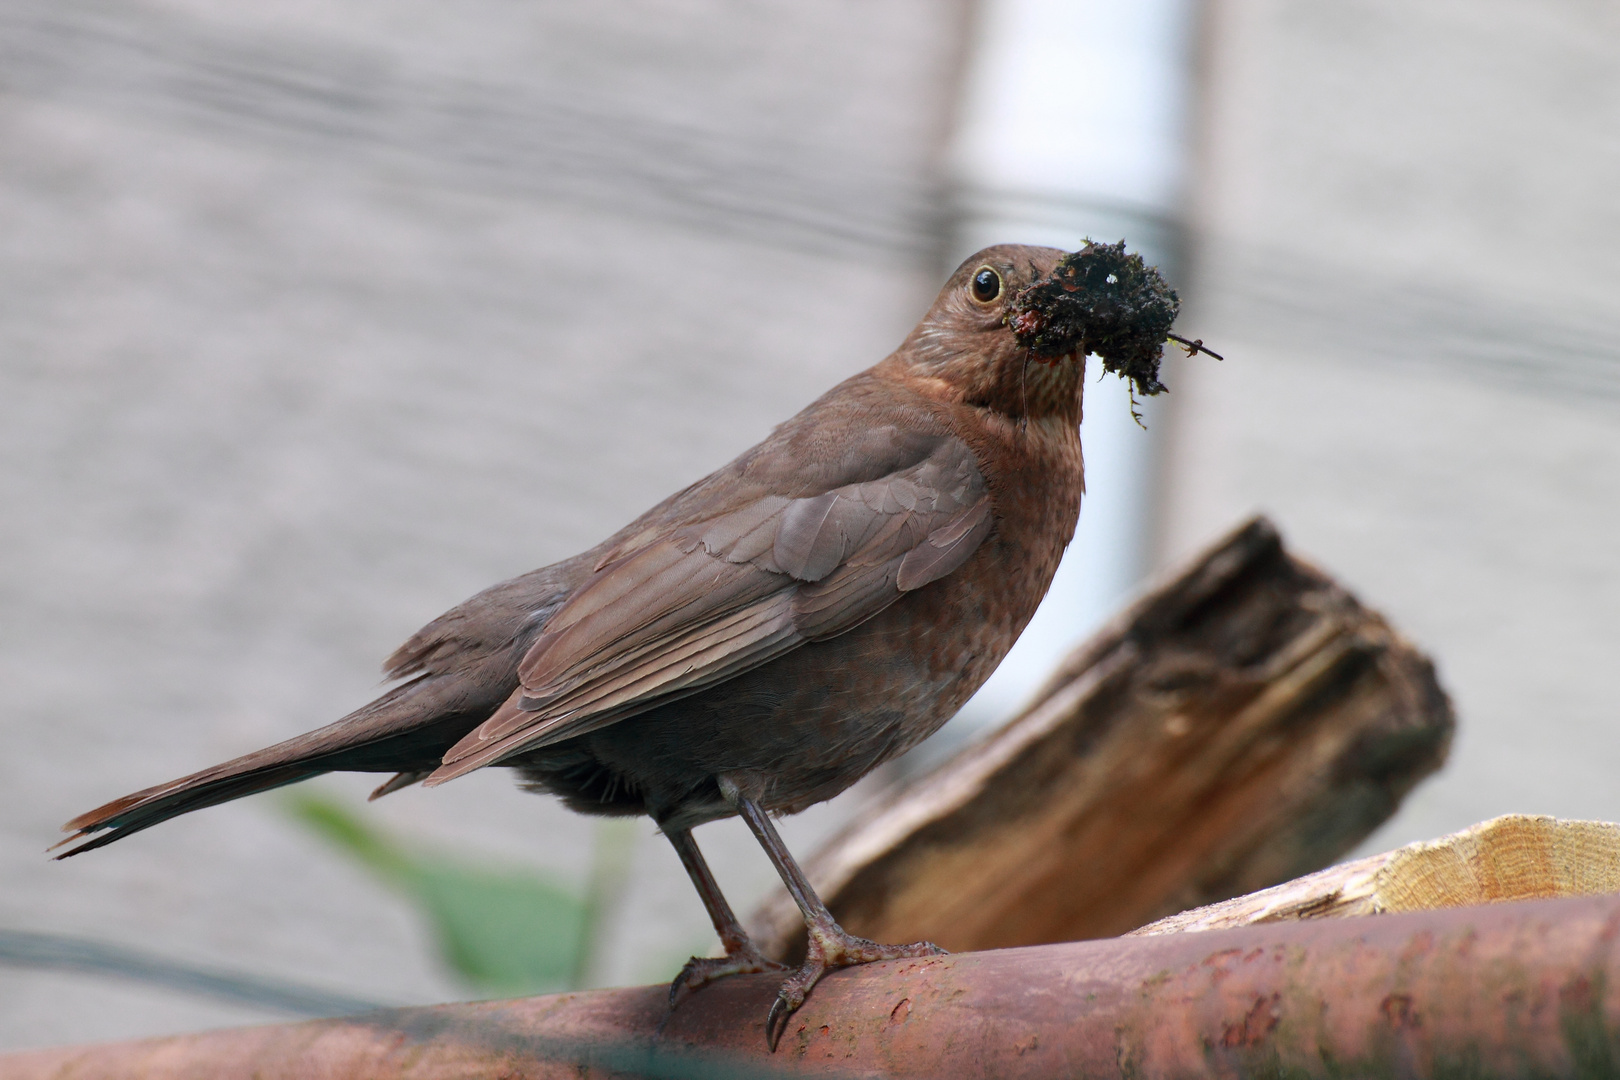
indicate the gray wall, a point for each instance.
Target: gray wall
{"x":316,"y":318}
{"x":1408,"y":224}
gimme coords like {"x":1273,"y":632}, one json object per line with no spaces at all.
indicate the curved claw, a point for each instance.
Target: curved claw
{"x":828,"y":951}
{"x":776,"y":1021}
{"x":700,"y":971}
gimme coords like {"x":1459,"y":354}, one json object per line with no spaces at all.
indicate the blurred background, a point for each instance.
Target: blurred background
{"x":316,"y":318}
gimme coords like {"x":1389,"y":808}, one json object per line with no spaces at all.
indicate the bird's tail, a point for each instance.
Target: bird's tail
{"x":146,"y":808}
{"x":406,"y":731}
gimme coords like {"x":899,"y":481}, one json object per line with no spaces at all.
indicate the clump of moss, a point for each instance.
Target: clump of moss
{"x":1104,"y":301}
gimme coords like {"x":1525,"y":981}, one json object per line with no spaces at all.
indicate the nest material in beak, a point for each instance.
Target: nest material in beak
{"x":1104,"y":301}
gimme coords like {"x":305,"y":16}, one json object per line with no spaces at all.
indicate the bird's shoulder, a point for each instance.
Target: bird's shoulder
{"x":870,"y":429}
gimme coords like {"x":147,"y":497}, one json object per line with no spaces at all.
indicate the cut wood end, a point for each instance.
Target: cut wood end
{"x":1512,"y":857}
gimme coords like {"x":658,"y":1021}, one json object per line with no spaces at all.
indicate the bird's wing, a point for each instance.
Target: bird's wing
{"x":709,"y":600}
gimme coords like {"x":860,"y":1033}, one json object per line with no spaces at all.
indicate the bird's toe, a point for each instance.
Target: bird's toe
{"x":789,"y":998}
{"x":853,"y":950}
{"x":700,"y":971}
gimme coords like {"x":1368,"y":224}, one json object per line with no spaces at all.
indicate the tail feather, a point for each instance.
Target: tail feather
{"x":406,"y":731}
{"x":399,"y":781}
{"x":142,"y":810}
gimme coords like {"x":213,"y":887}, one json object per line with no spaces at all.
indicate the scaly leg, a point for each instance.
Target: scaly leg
{"x":830,"y":946}
{"x":741,"y":956}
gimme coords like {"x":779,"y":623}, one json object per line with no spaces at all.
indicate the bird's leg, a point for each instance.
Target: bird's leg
{"x":742,"y":957}
{"x":830,"y":945}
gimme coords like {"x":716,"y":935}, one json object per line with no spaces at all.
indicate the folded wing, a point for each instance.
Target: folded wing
{"x":709,"y":600}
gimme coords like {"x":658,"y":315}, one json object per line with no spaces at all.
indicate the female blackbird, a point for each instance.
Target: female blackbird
{"x":761,"y":640}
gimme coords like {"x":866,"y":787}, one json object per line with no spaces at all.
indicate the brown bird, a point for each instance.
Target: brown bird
{"x":759,"y":641}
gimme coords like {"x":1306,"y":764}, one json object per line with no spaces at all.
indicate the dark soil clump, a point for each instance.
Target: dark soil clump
{"x":1104,"y":301}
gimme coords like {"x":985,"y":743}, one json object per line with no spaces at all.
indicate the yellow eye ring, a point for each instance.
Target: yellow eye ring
{"x":985,"y":285}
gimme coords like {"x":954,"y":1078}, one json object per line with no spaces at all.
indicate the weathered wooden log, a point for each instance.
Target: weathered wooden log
{"x":1506,"y":990}
{"x":1512,"y":857}
{"x":1245,"y":723}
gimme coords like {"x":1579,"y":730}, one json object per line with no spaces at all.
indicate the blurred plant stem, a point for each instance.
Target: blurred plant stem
{"x":503,"y":929}
{"x":604,"y":889}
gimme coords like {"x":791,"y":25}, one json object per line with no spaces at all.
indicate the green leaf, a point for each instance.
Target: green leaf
{"x":338,"y":827}
{"x":503,"y":930}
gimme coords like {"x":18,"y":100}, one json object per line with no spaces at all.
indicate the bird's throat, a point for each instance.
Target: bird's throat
{"x":1027,"y":388}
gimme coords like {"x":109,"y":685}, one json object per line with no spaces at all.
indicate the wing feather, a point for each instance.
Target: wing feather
{"x":677,"y":589}
{"x":697,"y":661}
{"x":809,"y":537}
{"x":945,"y":549}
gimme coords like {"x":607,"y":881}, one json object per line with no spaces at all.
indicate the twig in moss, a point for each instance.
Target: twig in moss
{"x":1194,"y":347}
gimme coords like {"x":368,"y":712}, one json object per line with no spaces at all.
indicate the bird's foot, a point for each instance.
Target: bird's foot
{"x":700,"y":971}
{"x":831,"y":947}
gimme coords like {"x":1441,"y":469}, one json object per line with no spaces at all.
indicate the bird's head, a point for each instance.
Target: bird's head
{"x":1012,"y":327}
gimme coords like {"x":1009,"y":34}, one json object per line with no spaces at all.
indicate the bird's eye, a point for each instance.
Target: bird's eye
{"x":986,"y":285}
